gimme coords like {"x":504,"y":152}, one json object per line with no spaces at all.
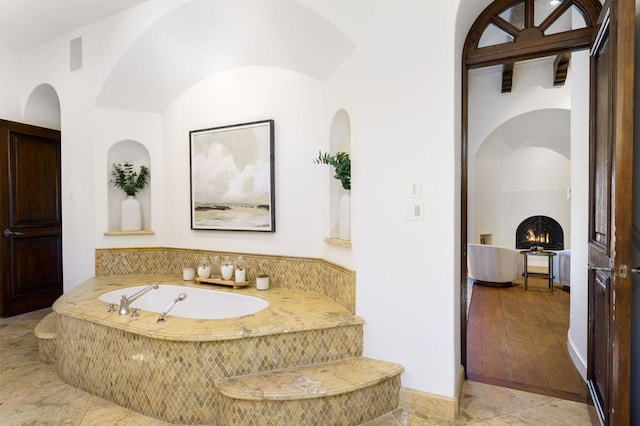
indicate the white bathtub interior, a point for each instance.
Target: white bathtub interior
{"x":201,"y":303}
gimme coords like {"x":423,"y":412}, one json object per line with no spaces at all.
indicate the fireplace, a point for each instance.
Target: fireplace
{"x":540,"y":231}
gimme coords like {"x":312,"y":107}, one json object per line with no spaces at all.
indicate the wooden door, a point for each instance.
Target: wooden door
{"x":30,"y":218}
{"x":611,"y":171}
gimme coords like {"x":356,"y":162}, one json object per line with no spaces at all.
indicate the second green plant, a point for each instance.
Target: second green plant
{"x":342,"y":164}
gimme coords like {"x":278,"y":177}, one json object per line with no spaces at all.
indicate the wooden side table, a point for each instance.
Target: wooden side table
{"x":549,"y":255}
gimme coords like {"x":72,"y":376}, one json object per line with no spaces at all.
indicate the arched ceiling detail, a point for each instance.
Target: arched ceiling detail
{"x":204,"y":37}
{"x":545,"y":128}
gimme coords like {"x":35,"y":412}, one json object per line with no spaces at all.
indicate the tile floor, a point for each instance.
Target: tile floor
{"x":32,"y":394}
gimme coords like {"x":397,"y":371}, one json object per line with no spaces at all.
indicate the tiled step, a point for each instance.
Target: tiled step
{"x":347,"y":392}
{"x":45,"y":331}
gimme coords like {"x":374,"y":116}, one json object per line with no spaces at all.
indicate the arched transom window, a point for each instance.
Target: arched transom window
{"x":515,"y":30}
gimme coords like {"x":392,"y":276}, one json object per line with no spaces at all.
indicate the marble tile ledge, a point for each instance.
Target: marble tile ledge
{"x":288,"y":311}
{"x":327,"y":379}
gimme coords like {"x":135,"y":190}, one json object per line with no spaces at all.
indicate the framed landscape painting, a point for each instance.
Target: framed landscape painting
{"x":232,"y":177}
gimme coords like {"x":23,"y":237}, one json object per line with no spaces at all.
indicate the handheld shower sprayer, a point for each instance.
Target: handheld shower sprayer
{"x":170,"y":306}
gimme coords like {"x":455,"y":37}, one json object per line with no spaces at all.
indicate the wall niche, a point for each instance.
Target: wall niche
{"x":128,"y":151}
{"x":339,"y":141}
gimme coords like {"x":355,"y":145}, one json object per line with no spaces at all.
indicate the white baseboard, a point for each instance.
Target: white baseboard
{"x":578,"y":360}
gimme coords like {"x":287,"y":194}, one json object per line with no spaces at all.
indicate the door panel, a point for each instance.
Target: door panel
{"x":611,"y":171}
{"x":35,"y":266}
{"x":601,"y":334}
{"x":601,"y":156}
{"x":30,"y":218}
{"x":34,"y":170}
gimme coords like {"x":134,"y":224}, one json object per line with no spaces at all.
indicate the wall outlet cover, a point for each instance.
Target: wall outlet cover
{"x":414,"y":210}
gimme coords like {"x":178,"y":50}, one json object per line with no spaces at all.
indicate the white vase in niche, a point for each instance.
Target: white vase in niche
{"x":344,"y":218}
{"x":131,"y":214}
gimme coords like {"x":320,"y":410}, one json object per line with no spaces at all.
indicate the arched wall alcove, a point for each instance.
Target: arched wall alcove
{"x":339,"y":141}
{"x":137,"y":154}
{"x":43,"y":107}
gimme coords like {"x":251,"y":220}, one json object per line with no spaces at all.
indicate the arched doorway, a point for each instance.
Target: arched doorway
{"x":31,"y":217}
{"x":504,"y":35}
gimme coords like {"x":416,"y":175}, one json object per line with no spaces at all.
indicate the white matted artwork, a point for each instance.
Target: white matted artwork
{"x":232,"y":177}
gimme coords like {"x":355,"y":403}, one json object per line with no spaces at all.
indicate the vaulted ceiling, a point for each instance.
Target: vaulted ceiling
{"x":202,"y":38}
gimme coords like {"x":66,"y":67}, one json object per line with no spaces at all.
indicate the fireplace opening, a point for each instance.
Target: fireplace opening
{"x":540,"y":231}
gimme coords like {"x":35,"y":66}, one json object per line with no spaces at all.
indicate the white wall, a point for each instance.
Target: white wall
{"x":294,"y":101}
{"x":10,"y":105}
{"x":403,"y":130}
{"x":578,"y":320}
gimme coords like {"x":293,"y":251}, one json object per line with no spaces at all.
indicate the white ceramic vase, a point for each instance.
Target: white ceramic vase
{"x":131,"y":214}
{"x":344,"y":218}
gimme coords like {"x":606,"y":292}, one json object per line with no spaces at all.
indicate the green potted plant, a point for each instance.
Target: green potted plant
{"x":127,"y":179}
{"x":342,"y":165}
{"x":131,"y":182}
{"x":342,"y":172}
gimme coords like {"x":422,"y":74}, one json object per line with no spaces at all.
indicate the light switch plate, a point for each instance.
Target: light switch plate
{"x":415,"y":189}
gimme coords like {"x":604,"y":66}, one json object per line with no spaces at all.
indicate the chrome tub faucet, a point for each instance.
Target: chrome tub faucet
{"x":125,"y":301}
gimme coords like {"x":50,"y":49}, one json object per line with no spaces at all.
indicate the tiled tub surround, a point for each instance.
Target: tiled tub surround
{"x":170,"y":371}
{"x":297,"y":273}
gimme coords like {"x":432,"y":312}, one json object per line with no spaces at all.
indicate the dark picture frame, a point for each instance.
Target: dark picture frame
{"x":232,"y":177}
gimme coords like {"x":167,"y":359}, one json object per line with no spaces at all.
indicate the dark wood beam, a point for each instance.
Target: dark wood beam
{"x":507,"y":77}
{"x":529,"y":20}
{"x":561,"y":69}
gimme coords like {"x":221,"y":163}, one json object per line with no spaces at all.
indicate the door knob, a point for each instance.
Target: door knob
{"x":635,"y":270}
{"x":8,"y":233}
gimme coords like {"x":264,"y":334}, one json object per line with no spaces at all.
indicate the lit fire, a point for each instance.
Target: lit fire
{"x":542,"y":238}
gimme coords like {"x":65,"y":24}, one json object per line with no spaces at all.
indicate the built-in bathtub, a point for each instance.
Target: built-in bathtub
{"x":170,"y":371}
{"x":200,"y":303}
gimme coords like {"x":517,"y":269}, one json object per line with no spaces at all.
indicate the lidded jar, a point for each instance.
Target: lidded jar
{"x":226,"y":268}
{"x":215,"y":266}
{"x":204,"y":267}
{"x":241,"y":270}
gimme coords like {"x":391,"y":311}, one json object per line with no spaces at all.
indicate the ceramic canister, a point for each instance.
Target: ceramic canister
{"x":262,"y":282}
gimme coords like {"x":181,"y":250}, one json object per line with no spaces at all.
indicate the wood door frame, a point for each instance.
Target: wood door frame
{"x":492,"y":55}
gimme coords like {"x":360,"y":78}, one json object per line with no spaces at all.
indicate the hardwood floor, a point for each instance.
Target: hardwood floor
{"x":518,"y":339}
